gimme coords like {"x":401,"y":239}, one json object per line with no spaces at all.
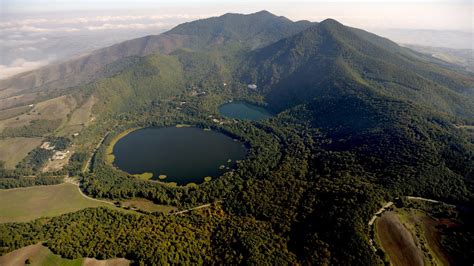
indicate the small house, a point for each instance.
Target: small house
{"x":252,"y":86}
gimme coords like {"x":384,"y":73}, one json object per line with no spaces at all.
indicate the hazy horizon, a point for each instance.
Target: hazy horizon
{"x":416,"y":14}
{"x":36,"y":33}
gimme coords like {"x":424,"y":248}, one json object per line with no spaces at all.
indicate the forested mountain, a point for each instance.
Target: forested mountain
{"x":359,"y":121}
{"x":254,"y":30}
{"x":332,"y":59}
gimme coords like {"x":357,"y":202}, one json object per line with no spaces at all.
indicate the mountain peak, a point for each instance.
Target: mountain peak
{"x":331,"y":22}
{"x":264,"y":13}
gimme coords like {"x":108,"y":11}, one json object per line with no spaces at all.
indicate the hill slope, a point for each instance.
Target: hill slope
{"x":330,"y":58}
{"x":236,"y":30}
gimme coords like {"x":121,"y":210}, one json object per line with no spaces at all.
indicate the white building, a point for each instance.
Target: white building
{"x":252,"y":86}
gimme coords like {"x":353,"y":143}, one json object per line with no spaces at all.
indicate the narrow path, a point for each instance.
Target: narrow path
{"x":87,"y":166}
{"x":195,"y":208}
{"x":380,"y":211}
{"x":372,"y":221}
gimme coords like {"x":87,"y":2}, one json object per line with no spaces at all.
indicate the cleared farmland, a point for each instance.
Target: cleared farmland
{"x":13,"y":150}
{"x":57,"y":108}
{"x":397,"y":241}
{"x":41,"y":255}
{"x":25,"y":204}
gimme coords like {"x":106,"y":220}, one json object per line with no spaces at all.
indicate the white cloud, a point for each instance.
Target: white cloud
{"x":33,"y":29}
{"x":40,"y":24}
{"x":20,"y":65}
{"x":27,"y":49}
{"x":137,"y":26}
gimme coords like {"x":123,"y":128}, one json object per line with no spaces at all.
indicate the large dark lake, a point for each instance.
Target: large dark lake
{"x":184,"y":155}
{"x":244,"y":111}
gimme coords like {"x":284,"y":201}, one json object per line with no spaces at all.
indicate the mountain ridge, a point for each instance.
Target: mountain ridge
{"x":310,"y":62}
{"x":88,"y":67}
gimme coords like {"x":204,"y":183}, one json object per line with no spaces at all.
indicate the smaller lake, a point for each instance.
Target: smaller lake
{"x":184,"y":155}
{"x":244,"y":111}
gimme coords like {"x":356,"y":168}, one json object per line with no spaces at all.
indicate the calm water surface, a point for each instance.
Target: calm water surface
{"x":184,"y":155}
{"x":244,"y":111}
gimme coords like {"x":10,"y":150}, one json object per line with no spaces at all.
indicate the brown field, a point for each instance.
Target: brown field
{"x":146,"y":205}
{"x":109,"y":262}
{"x":13,"y":150}
{"x":38,"y":255}
{"x":397,"y":241}
{"x":41,"y":255}
{"x":429,"y":234}
{"x":433,"y":237}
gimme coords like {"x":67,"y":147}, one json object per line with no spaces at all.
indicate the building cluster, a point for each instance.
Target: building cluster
{"x":47,"y":146}
{"x":195,"y":91}
{"x":59,"y":155}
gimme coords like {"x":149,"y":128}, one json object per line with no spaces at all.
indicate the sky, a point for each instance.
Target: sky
{"x":34,"y":33}
{"x":419,"y":14}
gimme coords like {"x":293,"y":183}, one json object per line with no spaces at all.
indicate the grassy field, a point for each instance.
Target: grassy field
{"x":37,"y":255}
{"x":397,"y":241}
{"x":147,"y":205}
{"x":79,"y":118}
{"x":13,"y":150}
{"x":12,"y":112}
{"x":25,"y":204}
{"x":57,"y":108}
{"x":40,"y":255}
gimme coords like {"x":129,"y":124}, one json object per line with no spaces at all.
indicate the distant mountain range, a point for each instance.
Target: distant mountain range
{"x":252,"y":30}
{"x":291,"y":60}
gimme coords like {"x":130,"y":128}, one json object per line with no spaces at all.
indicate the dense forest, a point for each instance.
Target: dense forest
{"x":344,"y":140}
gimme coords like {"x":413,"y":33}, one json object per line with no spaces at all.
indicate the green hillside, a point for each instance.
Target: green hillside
{"x":331,"y":59}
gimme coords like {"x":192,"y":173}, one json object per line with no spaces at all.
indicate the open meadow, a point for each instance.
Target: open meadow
{"x":13,"y":150}
{"x":56,"y":108}
{"x":147,"y":206}
{"x":40,"y":255}
{"x":26,"y":204}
